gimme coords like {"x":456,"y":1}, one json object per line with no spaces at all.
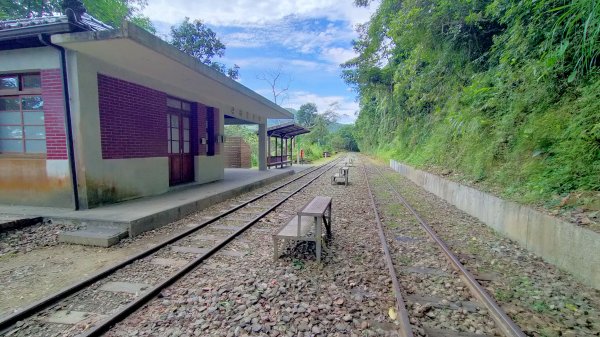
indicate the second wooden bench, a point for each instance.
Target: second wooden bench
{"x":306,"y":225}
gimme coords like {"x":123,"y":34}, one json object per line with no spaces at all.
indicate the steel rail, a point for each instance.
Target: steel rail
{"x":133,"y":306}
{"x":36,"y":307}
{"x":504,"y":323}
{"x":405,"y":326}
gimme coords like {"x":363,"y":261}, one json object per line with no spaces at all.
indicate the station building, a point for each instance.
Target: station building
{"x":91,"y":115}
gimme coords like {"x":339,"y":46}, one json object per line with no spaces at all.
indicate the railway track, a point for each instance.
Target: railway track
{"x":435,"y":294}
{"x":92,"y":306}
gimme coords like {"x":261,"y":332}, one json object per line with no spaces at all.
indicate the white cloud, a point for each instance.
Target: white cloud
{"x":338,"y":55}
{"x":293,"y":25}
{"x":249,"y":13}
{"x":346,"y":107}
{"x":291,"y":34}
{"x":290,"y":66}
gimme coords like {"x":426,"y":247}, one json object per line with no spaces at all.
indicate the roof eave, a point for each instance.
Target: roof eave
{"x":21,"y":32}
{"x":130,"y":31}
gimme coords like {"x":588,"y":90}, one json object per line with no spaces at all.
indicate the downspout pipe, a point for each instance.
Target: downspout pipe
{"x":45,"y":39}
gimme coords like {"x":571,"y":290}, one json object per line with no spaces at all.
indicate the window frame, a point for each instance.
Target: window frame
{"x":20,"y":92}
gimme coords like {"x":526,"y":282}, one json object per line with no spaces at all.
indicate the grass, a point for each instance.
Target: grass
{"x":405,"y":260}
{"x":8,"y":256}
{"x":297,"y":264}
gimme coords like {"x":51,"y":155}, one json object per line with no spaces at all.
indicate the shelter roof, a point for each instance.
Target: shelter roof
{"x":287,"y":130}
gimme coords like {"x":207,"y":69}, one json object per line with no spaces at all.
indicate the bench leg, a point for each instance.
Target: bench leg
{"x":275,"y":249}
{"x":327,"y":223}
{"x":318,"y":239}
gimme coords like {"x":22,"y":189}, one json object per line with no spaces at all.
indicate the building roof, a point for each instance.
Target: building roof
{"x":135,"y":49}
{"x":287,"y":130}
{"x":85,"y":22}
{"x":23,"y":33}
{"x":131,"y":47}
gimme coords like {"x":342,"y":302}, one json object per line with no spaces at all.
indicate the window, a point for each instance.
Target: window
{"x":178,"y":125}
{"x":178,"y":104}
{"x":21,"y":114}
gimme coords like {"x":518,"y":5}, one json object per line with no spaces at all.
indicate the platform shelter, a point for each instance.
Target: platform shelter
{"x":284,"y":136}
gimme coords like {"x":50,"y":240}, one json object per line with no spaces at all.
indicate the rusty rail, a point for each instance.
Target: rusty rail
{"x":7,"y":321}
{"x":405,"y":327}
{"x":504,"y":323}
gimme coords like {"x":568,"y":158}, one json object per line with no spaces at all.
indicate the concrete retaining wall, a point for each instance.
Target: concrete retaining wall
{"x":571,"y":248}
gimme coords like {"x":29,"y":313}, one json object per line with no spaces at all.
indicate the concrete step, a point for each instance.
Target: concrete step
{"x":94,"y":236}
{"x":8,"y":222}
{"x":89,"y":222}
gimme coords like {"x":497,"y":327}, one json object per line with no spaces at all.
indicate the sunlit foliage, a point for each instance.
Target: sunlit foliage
{"x":503,"y":92}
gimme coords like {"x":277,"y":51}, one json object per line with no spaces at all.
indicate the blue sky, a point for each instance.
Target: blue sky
{"x":307,"y":40}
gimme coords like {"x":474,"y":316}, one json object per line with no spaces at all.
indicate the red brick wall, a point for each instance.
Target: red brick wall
{"x":54,"y":114}
{"x":237,"y":153}
{"x":133,"y":120}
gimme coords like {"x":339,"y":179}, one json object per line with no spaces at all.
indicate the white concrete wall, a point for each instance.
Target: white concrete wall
{"x":209,"y":169}
{"x":29,"y":59}
{"x":129,"y":177}
{"x":33,"y":181}
{"x":212,"y":168}
{"x":568,"y":246}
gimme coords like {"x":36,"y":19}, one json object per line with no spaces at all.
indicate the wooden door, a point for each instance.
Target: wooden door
{"x":181,"y":159}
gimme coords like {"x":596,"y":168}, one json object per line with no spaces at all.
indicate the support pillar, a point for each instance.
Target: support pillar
{"x":286,"y":149}
{"x":292,"y":151}
{"x":276,"y":151}
{"x":281,"y":153}
{"x":262,"y":147}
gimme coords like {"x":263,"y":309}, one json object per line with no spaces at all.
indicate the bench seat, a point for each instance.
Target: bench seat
{"x":285,"y":162}
{"x":290,"y":230}
{"x":341,"y":176}
{"x":306,"y":225}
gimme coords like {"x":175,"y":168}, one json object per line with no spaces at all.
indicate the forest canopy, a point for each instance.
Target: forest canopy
{"x":500,"y":92}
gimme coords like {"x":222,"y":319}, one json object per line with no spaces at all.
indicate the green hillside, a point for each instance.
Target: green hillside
{"x":502,"y":93}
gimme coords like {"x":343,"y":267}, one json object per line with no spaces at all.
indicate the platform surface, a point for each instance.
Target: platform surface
{"x":139,"y":215}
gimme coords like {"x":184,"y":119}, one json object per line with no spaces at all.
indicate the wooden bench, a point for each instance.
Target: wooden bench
{"x":342,"y":176}
{"x":306,"y":225}
{"x":282,"y":163}
{"x":348,"y":162}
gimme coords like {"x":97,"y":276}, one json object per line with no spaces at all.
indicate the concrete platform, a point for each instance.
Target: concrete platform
{"x":137,"y":216}
{"x":8,"y":222}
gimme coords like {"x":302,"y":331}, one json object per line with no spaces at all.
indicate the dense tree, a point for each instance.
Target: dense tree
{"x":111,"y":12}
{"x":319,"y":123}
{"x":499,"y":90}
{"x":196,"y":39}
{"x":343,"y":139}
{"x":307,"y":115}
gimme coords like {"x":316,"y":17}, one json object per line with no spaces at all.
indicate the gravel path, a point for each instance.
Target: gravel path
{"x":349,"y":294}
{"x":541,"y":299}
{"x":242,"y":292}
{"x":34,"y":265}
{"x":26,"y":239}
